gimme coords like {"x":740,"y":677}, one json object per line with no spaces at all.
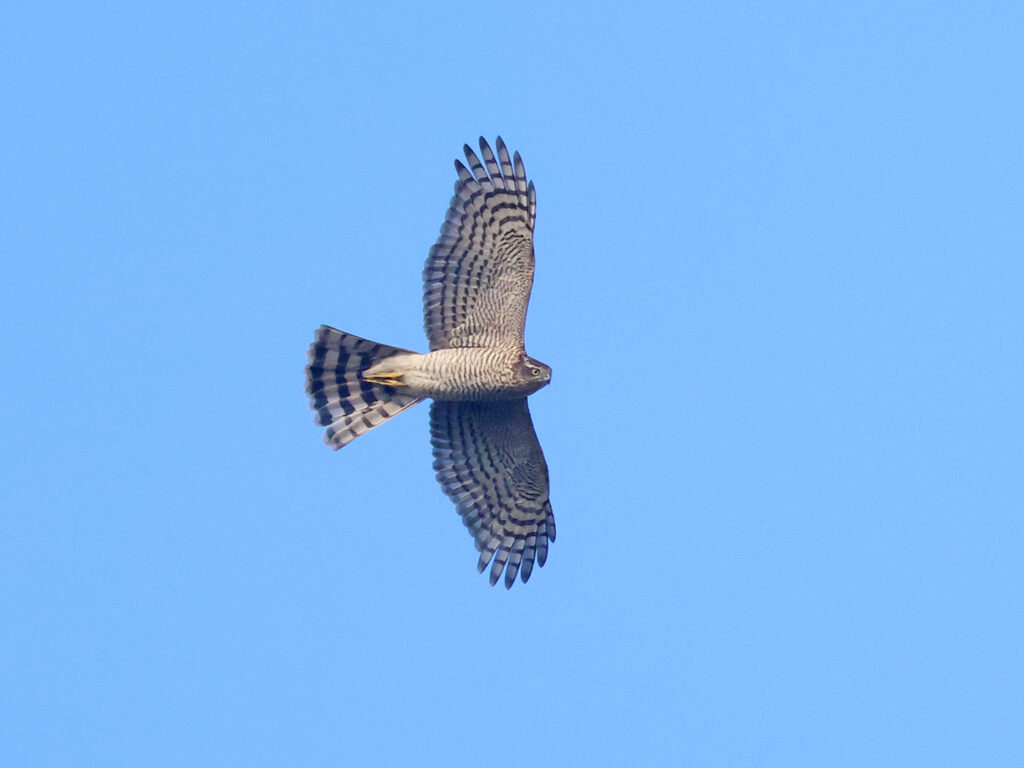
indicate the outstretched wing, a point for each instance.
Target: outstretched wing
{"x":479,"y":273}
{"x":490,"y":464}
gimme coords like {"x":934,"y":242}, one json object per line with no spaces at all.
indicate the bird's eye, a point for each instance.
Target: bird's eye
{"x":535,"y":371}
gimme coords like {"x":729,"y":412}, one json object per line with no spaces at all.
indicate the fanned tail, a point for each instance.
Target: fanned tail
{"x":344,"y":402}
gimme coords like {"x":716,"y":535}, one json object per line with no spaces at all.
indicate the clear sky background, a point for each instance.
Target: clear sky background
{"x":780,"y":276}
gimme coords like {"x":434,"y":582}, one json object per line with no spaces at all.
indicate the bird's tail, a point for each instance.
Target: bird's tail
{"x":344,"y":401}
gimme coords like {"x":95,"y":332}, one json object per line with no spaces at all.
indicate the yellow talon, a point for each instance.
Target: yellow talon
{"x":386,"y":378}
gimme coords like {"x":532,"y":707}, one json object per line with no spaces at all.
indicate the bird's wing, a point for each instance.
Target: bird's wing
{"x":489,"y":462}
{"x":479,"y":273}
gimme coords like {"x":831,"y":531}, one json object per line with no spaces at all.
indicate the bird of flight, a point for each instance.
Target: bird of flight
{"x":476,"y":287}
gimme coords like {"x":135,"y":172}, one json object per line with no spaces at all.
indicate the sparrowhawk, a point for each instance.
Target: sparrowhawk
{"x":477,"y":283}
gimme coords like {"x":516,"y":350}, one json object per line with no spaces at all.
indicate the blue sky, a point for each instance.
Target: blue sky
{"x":780,"y":270}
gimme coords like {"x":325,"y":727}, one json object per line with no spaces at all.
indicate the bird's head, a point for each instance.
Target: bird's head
{"x":532,"y":373}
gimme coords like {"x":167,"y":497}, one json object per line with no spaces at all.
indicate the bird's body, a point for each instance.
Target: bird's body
{"x":481,"y":373}
{"x":477,"y":283}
